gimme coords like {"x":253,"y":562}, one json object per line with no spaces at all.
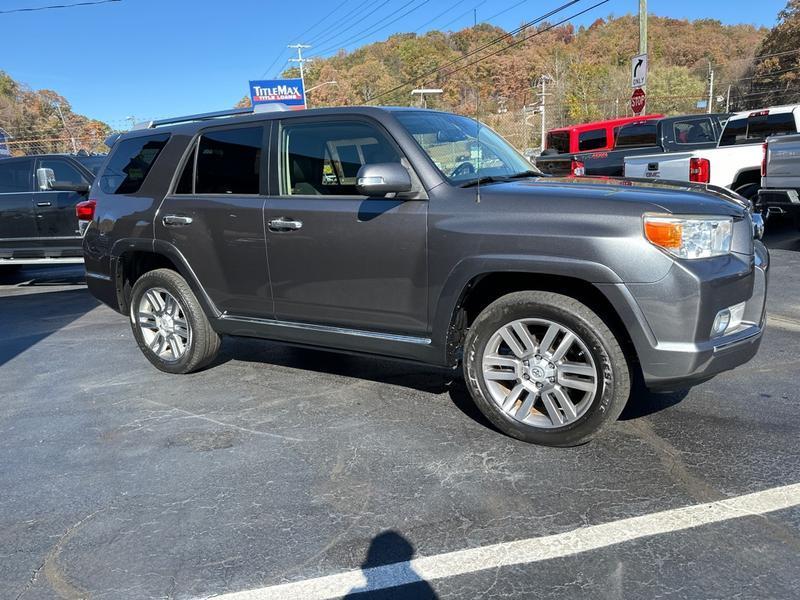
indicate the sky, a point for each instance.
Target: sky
{"x":156,"y":58}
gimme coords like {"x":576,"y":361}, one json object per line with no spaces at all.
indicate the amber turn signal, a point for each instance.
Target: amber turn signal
{"x":664,"y":233}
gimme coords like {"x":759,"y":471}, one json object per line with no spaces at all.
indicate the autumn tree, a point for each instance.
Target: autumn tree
{"x":776,"y":77}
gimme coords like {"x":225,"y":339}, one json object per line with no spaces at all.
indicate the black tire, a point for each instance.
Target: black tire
{"x":613,"y":374}
{"x":748,"y":190}
{"x":203,"y":342}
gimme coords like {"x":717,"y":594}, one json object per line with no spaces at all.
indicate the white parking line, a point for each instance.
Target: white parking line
{"x":529,"y":550}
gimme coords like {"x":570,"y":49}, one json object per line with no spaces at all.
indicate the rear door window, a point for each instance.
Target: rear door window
{"x":693,"y":131}
{"x":16,"y":176}
{"x":130,"y":162}
{"x":592,"y":140}
{"x":228,"y":161}
{"x":637,"y":135}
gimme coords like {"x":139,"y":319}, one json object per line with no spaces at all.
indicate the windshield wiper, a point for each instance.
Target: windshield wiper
{"x":523,"y":174}
{"x":498,"y":179}
{"x":482,"y":180}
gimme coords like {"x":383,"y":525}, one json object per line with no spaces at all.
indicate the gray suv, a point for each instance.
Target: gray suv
{"x":424,"y":236}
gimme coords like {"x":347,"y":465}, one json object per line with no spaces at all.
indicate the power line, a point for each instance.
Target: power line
{"x":441,"y":14}
{"x":337,"y":34}
{"x":502,"y":12}
{"x":326,"y":35}
{"x":381,"y":26}
{"x":526,"y":38}
{"x":54,"y":6}
{"x":282,"y":53}
{"x":505,"y":36}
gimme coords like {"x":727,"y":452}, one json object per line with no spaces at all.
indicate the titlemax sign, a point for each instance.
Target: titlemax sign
{"x":286,"y":91}
{"x":277,"y":93}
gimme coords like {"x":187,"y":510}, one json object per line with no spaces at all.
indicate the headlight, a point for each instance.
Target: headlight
{"x":690,"y":237}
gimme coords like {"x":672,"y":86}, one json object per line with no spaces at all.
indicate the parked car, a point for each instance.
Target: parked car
{"x":669,"y":134}
{"x":736,"y":161}
{"x":429,"y":246}
{"x":780,"y":178}
{"x":599,"y":135}
{"x":38,"y":223}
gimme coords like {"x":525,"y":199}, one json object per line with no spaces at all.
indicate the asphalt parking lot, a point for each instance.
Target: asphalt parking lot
{"x":300,"y":468}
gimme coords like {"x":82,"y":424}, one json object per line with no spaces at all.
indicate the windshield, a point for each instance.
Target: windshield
{"x":462,"y":150}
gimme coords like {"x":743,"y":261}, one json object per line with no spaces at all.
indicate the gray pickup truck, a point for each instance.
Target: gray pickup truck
{"x":780,"y":178}
{"x":420,"y":235}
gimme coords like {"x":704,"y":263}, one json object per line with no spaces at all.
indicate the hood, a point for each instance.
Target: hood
{"x":667,"y":196}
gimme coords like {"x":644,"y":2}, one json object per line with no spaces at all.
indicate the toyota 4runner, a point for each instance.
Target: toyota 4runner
{"x":423,"y":235}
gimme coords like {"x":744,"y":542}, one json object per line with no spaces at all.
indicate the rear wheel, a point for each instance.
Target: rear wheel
{"x":748,"y":190}
{"x":546,"y":369}
{"x":169,"y":324}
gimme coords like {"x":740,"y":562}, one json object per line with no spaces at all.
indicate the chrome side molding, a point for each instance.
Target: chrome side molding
{"x":389,"y":337}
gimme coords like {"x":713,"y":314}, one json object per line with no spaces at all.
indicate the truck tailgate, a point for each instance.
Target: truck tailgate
{"x":559,"y":165}
{"x":672,"y":166}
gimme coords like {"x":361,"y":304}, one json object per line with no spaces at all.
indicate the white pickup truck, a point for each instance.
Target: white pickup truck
{"x":736,"y":161}
{"x":780,"y":178}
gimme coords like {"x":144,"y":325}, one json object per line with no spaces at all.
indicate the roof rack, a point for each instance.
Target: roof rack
{"x":231,"y":112}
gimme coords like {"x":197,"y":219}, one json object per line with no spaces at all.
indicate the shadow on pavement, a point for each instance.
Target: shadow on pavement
{"x":391,"y":548}
{"x":44,"y":275}
{"x":418,"y":377}
{"x":27,"y":319}
{"x":782,"y":234}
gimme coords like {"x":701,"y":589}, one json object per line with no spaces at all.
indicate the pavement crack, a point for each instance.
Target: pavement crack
{"x":31,"y":581}
{"x":194,"y":415}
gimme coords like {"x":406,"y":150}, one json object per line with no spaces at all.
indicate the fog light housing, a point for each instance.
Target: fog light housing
{"x":728,"y":320}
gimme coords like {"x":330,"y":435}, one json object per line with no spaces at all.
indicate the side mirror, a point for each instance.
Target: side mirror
{"x":383,"y":178}
{"x":45,"y":179}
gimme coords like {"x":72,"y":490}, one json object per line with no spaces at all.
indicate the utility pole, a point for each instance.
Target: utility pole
{"x":301,"y":61}
{"x":66,"y":128}
{"x":710,"y":87}
{"x":543,"y":95}
{"x":643,"y":34}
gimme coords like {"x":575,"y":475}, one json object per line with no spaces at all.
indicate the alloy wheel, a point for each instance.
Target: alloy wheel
{"x":163,"y":324}
{"x":539,"y":372}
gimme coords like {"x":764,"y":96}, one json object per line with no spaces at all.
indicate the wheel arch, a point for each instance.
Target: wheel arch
{"x":137,"y":257}
{"x":746,"y":176}
{"x":577,"y":279}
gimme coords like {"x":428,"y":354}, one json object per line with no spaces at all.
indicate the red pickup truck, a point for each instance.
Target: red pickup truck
{"x":599,"y":135}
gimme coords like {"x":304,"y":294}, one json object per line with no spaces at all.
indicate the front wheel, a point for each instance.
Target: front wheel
{"x":169,"y":324}
{"x":544,"y":368}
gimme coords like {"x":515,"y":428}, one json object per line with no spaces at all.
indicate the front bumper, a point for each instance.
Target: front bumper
{"x":670,"y":321}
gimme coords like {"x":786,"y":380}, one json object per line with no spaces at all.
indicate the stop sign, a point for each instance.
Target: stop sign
{"x":638,"y":100}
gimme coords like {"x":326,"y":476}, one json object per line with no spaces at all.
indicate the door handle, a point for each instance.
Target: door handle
{"x":284,"y":224}
{"x":176,"y":220}
{"x":44,"y":204}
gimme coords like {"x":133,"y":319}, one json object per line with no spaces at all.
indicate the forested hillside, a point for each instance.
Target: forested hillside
{"x":589,"y":66}
{"x":776,"y":76}
{"x":33,"y":121}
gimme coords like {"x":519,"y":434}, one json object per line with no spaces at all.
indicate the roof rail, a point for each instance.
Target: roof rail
{"x":231,"y":112}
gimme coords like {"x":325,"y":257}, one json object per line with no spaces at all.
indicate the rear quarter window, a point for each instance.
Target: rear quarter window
{"x":130,"y":162}
{"x":559,"y":141}
{"x":637,"y":135}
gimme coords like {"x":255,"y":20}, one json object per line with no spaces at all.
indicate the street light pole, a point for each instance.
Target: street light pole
{"x":643,"y":33}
